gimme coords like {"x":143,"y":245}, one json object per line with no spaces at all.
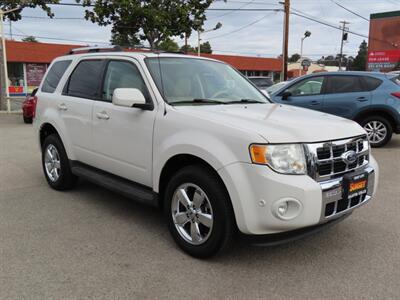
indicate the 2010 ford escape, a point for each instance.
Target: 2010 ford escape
{"x":193,"y":136}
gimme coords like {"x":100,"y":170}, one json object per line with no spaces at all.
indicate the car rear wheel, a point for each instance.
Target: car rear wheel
{"x":378,"y":129}
{"x":28,"y":120}
{"x":198,"y":212}
{"x":56,"y":164}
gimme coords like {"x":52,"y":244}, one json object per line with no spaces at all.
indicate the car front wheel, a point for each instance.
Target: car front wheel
{"x":378,"y":129}
{"x":198,"y":212}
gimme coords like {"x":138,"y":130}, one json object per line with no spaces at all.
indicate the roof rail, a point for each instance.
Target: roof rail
{"x":96,"y":49}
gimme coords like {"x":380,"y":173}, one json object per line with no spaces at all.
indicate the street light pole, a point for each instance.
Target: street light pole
{"x":5,"y":94}
{"x":306,"y":35}
{"x":341,"y":43}
{"x":218,"y":26}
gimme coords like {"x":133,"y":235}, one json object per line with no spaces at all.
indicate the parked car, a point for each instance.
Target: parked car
{"x":262,"y":82}
{"x":371,"y":99}
{"x":191,"y":135}
{"x":28,"y":107}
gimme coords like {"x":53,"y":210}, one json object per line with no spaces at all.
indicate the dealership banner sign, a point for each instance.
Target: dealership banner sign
{"x":35,"y":74}
{"x":388,"y":60}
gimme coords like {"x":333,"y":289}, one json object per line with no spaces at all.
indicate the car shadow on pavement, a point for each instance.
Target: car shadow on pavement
{"x":150,"y":222}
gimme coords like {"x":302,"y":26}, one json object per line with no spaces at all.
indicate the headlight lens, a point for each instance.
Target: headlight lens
{"x":285,"y":158}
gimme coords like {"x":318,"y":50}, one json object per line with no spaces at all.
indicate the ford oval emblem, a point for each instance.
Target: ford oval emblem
{"x":349,"y":157}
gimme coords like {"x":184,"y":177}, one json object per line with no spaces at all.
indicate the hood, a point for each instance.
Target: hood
{"x":278,"y":123}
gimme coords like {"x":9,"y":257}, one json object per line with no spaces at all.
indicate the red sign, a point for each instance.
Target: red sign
{"x":16,"y":89}
{"x":383,"y":60}
{"x":35,"y":74}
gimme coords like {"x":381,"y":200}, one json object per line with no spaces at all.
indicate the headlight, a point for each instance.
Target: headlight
{"x":285,"y":158}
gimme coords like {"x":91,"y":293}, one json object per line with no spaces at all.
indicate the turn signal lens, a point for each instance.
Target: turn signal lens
{"x":258,"y":154}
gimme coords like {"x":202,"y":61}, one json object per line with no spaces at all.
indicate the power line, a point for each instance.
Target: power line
{"x":230,"y":12}
{"x":350,"y":11}
{"x":239,"y":29}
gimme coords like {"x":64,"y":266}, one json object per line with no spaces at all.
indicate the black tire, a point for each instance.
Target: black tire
{"x":223,"y":228}
{"x":389,"y":130}
{"x":66,"y":180}
{"x":28,"y":120}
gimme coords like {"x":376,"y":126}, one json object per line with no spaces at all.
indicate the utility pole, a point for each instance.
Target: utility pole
{"x":344,"y":28}
{"x":285,"y":45}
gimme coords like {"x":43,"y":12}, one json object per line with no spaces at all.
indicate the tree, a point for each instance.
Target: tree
{"x":360,"y":62}
{"x":294,"y":58}
{"x":125,"y":40}
{"x":152,"y":21}
{"x":30,"y":38}
{"x":168,"y":45}
{"x":16,"y":15}
{"x":204,"y":48}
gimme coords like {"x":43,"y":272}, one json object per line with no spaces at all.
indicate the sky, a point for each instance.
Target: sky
{"x":251,"y":33}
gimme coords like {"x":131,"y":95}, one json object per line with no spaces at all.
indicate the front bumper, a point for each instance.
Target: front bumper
{"x":255,"y":191}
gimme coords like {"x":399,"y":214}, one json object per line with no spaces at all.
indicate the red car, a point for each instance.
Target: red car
{"x":29,"y":107}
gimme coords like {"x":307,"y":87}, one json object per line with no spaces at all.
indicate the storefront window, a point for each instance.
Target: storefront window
{"x":16,"y":74}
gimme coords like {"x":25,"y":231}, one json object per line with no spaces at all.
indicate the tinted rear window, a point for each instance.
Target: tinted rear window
{"x":344,"y":84}
{"x":371,"y":83}
{"x":54,"y":76}
{"x":85,"y":79}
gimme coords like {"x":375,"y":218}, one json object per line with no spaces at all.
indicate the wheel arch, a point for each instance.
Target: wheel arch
{"x":47,"y":129}
{"x":382,"y":112}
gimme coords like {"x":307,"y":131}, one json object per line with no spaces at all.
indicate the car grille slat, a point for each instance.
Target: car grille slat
{"x":328,"y":161}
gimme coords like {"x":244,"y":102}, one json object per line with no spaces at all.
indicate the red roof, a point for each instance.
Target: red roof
{"x":249,"y":63}
{"x":29,"y":52}
{"x":44,"y":53}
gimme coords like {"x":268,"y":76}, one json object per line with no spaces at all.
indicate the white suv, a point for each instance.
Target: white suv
{"x":196,"y":138}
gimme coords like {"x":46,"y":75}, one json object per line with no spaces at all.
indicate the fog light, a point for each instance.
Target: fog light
{"x":286,"y":208}
{"x":282,"y":208}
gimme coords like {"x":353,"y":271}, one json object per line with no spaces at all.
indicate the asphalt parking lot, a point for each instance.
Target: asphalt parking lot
{"x":92,"y":243}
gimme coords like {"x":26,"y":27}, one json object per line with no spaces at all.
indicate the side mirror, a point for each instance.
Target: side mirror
{"x":128,"y":97}
{"x":286,"y":94}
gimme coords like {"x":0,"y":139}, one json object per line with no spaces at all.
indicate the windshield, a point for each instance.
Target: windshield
{"x":194,"y":81}
{"x":272,"y":89}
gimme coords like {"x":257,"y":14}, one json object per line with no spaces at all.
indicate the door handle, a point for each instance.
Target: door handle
{"x":102,"y":115}
{"x":62,"y":106}
{"x":362,"y":99}
{"x":315,"y":102}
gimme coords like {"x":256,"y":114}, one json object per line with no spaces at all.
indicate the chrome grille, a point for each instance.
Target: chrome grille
{"x":326,"y":161}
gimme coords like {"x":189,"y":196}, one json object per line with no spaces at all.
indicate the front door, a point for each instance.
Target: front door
{"x":123,"y":136}
{"x":306,"y":93}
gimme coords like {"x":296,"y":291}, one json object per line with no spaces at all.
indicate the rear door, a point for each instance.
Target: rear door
{"x":346,"y":95}
{"x":123,"y":136}
{"x":76,"y":104}
{"x":308,"y":93}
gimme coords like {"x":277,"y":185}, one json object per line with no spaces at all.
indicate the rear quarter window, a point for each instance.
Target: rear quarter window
{"x":371,"y":83}
{"x":54,"y":75}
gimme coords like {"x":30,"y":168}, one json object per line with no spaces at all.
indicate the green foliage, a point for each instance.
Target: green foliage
{"x":294,"y":58}
{"x":204,"y":48}
{"x":168,"y":45}
{"x":16,"y":15}
{"x":149,"y":20}
{"x":360,"y":62}
{"x":124,"y":40}
{"x":30,"y":39}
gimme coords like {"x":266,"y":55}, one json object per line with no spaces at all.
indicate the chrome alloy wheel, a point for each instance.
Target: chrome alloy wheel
{"x":376,"y":131}
{"x":52,"y":163}
{"x":192,"y":213}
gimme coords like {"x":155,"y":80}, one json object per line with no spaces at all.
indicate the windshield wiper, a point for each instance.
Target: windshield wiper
{"x":199,"y":100}
{"x":245,"y":101}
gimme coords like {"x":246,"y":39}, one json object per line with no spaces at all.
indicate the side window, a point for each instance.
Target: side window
{"x":85,"y":79}
{"x":309,"y":86}
{"x":344,"y":84}
{"x":54,"y":76}
{"x":122,"y":74}
{"x":371,"y":83}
